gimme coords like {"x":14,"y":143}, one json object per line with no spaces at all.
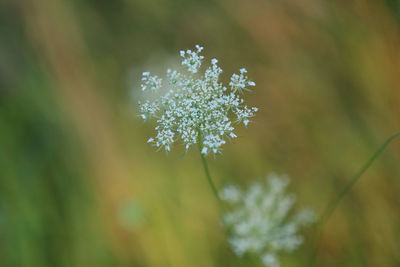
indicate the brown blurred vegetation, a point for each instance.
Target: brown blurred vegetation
{"x":79,"y":186}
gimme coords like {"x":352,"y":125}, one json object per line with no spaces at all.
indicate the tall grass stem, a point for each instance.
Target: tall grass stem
{"x":331,"y":207}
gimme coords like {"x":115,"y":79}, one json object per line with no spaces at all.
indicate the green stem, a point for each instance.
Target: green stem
{"x":207,"y":172}
{"x":334,"y":204}
{"x":208,"y":176}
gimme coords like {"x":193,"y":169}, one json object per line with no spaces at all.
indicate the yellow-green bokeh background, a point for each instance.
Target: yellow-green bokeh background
{"x":79,"y":186}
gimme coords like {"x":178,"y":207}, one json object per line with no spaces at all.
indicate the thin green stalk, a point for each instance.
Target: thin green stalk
{"x":334,"y":204}
{"x":206,"y":170}
{"x":208,"y":176}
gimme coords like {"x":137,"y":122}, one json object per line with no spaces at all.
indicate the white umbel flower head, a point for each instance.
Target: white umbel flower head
{"x":261,"y":220}
{"x":196,"y":109}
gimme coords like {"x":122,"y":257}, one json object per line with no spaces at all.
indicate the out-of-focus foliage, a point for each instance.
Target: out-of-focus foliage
{"x":79,"y":186}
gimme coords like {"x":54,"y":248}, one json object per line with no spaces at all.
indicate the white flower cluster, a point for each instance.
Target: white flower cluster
{"x":261,"y":221}
{"x":199,"y":110}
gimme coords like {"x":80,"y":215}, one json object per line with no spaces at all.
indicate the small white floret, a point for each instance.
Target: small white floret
{"x":270,"y":260}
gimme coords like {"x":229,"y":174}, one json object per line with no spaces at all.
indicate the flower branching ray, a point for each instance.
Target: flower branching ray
{"x":196,"y":107}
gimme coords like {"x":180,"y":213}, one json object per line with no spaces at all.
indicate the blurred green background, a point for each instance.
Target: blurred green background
{"x":79,"y":186}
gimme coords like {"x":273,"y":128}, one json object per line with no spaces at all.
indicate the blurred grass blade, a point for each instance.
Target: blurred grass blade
{"x":335,"y":203}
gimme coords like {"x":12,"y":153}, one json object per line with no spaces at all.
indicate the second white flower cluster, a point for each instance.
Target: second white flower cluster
{"x":261,"y":220}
